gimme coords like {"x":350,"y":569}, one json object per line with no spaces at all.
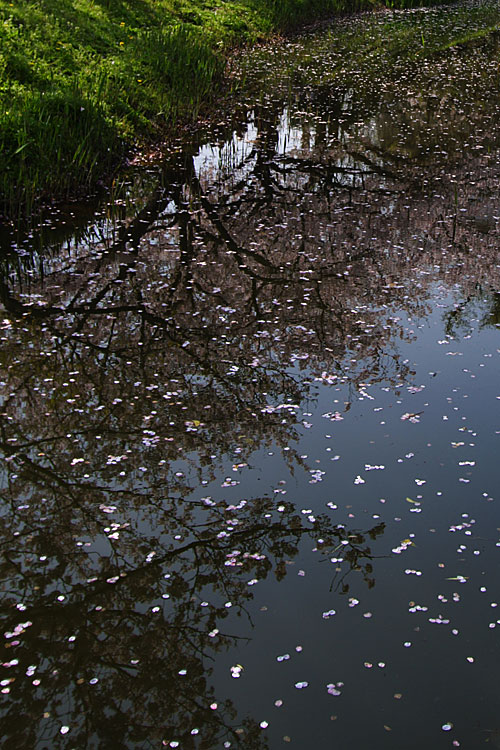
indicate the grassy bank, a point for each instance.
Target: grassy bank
{"x":83,"y":80}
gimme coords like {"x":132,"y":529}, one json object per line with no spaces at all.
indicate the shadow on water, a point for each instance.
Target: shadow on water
{"x":158,"y":349}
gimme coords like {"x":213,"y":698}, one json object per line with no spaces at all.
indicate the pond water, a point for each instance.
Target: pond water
{"x":250,"y":431}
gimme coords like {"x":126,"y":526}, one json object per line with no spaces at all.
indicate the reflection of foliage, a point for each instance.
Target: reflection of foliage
{"x":119,"y":646}
{"x":181,"y":336}
{"x":492,"y":317}
{"x":352,"y":550}
{"x":481,"y":307}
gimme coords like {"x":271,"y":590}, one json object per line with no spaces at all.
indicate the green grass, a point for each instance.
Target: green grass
{"x":81,"y":81}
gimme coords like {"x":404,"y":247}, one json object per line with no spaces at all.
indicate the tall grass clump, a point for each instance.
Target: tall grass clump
{"x":183,"y":66}
{"x":52,"y":144}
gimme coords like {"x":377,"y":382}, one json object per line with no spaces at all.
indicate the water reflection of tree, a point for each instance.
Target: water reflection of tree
{"x":127,"y":379}
{"x":481,"y":306}
{"x":120,"y":644}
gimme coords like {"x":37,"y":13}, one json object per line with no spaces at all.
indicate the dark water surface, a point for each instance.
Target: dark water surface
{"x":250,"y":433}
